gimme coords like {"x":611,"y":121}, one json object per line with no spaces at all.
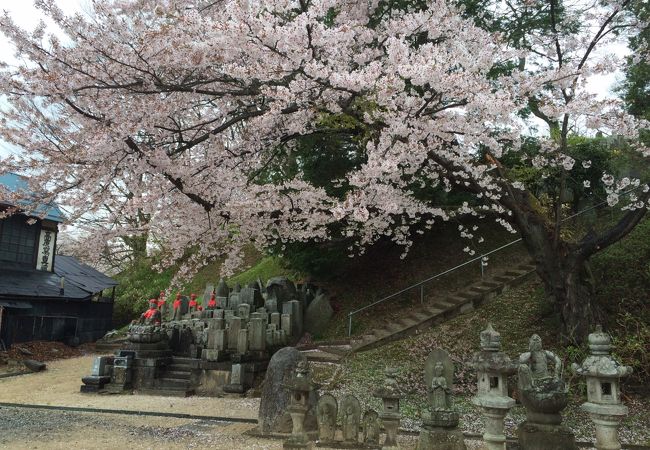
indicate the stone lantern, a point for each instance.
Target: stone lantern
{"x":492,"y":369}
{"x":603,"y":374}
{"x":390,"y":395}
{"x":300,"y":387}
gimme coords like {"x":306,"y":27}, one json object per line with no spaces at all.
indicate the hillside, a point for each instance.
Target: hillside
{"x":622,"y":275}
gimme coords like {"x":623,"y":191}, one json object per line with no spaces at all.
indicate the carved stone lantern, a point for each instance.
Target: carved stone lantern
{"x":603,"y":374}
{"x":492,"y":369}
{"x":300,"y":386}
{"x":390,"y":395}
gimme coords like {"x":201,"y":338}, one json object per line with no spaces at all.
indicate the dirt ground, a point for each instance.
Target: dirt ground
{"x":59,"y":386}
{"x":23,"y":428}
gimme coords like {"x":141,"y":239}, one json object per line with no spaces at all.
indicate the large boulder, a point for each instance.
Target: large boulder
{"x":318,"y":314}
{"x":273,"y":416}
{"x":281,"y":288}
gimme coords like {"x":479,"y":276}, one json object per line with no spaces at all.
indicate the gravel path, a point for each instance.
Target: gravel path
{"x":22,"y":428}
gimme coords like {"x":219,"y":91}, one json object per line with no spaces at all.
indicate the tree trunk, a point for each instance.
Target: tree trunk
{"x":567,"y":279}
{"x":574,"y":300}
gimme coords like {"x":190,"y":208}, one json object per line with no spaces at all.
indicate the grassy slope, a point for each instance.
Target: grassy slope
{"x":381,"y":272}
{"x":623,"y":279}
{"x":516,"y":314}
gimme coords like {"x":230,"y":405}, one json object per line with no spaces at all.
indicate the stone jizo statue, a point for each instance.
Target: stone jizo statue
{"x":326,"y":421}
{"x":439,"y":392}
{"x":350,"y":425}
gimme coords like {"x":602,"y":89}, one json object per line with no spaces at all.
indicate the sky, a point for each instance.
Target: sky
{"x":27,"y":17}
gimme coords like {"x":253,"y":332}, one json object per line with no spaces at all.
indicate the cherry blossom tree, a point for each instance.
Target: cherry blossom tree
{"x":186,"y":105}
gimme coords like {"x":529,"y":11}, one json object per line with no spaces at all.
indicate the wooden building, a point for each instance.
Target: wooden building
{"x":45,"y":296}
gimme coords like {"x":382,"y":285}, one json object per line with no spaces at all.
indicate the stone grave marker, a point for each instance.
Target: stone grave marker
{"x":242,"y":341}
{"x":296,"y":311}
{"x":257,"y":333}
{"x":233,"y":333}
{"x":244,"y":311}
{"x":275,"y":319}
{"x":318,"y":315}
{"x":234,"y":301}
{"x":285,"y":324}
{"x":222,"y":289}
{"x":271,"y":304}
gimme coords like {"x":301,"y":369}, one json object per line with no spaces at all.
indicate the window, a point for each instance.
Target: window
{"x":18,"y":240}
{"x":606,"y":389}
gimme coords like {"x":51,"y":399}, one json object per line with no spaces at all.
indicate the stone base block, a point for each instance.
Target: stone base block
{"x":208,"y":354}
{"x":96,"y":380}
{"x":441,"y":439}
{"x":534,"y":436}
{"x":91,"y":388}
{"x":234,"y":388}
{"x":297,"y":444}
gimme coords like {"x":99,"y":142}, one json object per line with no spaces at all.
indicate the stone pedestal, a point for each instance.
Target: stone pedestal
{"x":391,"y":425}
{"x":440,"y":431}
{"x":437,"y":438}
{"x":493,"y":414}
{"x":299,"y":438}
{"x":543,"y":429}
{"x":606,"y":418}
{"x":535,"y":436}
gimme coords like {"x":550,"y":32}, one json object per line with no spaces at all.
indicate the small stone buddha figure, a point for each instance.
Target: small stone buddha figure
{"x":439,"y":392}
{"x":326,"y":422}
{"x":152,"y":315}
{"x":350,"y":425}
{"x":534,"y":364}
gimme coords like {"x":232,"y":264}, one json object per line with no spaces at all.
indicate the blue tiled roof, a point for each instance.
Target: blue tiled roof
{"x":81,"y":281}
{"x":17,"y":183}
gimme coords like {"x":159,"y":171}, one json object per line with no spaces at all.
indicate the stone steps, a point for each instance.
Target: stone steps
{"x":442,"y":309}
{"x":178,"y":374}
{"x":172,"y":383}
{"x":319,"y":356}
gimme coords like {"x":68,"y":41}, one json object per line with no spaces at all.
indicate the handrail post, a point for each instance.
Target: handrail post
{"x":349,"y":325}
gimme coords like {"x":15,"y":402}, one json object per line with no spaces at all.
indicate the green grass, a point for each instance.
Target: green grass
{"x":266,"y":268}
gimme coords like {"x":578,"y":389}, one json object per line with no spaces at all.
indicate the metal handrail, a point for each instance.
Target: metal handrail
{"x":421,"y":283}
{"x":480,"y":257}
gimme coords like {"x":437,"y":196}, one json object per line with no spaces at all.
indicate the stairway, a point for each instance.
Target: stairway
{"x":175,"y":380}
{"x":326,"y":352}
{"x":440,"y":310}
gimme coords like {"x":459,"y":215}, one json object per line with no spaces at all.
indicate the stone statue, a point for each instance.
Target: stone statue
{"x":439,"y":393}
{"x":439,"y":421}
{"x":351,"y":410}
{"x":152,"y":315}
{"x":544,"y":394}
{"x":534,"y":363}
{"x":349,"y":425}
{"x":326,"y":412}
{"x":371,"y":428}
